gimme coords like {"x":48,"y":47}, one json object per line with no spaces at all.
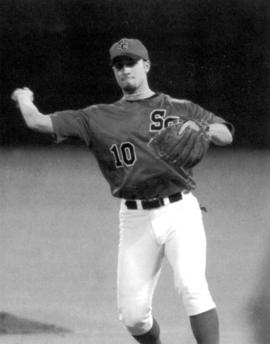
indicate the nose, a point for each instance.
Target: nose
{"x":125,"y":69}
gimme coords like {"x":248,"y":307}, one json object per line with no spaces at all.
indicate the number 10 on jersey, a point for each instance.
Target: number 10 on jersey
{"x":124,"y":154}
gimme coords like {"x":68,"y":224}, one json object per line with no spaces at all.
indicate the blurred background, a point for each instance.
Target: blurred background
{"x":215,"y":53}
{"x":58,"y":223}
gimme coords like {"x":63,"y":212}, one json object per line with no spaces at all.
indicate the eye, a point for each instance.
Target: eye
{"x":118,"y":65}
{"x":128,"y":63}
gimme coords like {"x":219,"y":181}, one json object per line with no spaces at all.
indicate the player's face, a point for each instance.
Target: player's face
{"x":130,"y":74}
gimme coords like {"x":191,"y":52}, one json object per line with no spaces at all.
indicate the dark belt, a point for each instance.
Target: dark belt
{"x":153,"y":202}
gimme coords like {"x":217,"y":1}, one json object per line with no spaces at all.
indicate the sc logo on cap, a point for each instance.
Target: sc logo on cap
{"x":122,"y":45}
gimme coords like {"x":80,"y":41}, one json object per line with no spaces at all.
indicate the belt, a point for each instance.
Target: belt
{"x":153,"y":202}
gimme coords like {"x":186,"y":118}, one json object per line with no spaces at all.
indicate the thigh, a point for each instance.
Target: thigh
{"x":139,"y":257}
{"x":186,"y":245}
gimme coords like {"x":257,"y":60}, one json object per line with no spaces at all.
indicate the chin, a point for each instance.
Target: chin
{"x":129,"y":88}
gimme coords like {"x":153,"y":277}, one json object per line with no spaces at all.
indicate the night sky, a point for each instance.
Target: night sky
{"x":215,"y":53}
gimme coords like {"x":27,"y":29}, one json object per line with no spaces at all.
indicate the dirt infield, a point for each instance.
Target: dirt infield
{"x":11,"y":325}
{"x":59,"y":242}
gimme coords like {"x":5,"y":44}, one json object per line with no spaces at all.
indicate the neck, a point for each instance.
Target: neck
{"x":139,"y":94}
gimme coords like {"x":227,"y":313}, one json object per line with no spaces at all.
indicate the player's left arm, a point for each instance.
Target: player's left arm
{"x":220,"y":134}
{"x":220,"y":131}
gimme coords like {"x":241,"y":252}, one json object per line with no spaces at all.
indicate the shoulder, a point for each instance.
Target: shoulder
{"x":176,"y":101}
{"x":189,"y":108}
{"x":91,"y":112}
{"x":187,"y":104}
{"x":102,"y":107}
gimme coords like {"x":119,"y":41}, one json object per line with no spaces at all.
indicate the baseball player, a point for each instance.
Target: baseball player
{"x":159,"y":216}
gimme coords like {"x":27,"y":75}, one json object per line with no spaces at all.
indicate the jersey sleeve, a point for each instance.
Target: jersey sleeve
{"x":72,"y":123}
{"x":199,"y":113}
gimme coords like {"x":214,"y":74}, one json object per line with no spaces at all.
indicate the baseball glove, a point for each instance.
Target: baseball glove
{"x":182,"y":145}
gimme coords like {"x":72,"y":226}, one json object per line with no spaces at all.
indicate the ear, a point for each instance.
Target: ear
{"x":147,"y":65}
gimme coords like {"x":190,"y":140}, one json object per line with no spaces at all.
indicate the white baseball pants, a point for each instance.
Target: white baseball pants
{"x":174,"y":231}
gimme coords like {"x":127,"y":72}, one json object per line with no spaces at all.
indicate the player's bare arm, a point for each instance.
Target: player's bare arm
{"x":33,"y":118}
{"x":220,"y":134}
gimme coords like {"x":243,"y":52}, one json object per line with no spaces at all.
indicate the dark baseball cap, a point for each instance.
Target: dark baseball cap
{"x":129,"y":47}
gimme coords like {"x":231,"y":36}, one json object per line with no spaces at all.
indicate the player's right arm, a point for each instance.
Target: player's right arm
{"x":33,"y":118}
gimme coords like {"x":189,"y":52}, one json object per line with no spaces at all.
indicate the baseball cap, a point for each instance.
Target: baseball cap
{"x":129,"y":47}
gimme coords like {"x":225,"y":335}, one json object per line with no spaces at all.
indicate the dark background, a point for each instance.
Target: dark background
{"x":215,"y":53}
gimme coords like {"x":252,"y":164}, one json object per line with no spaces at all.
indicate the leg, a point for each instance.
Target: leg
{"x":139,"y":266}
{"x":151,"y":337}
{"x":205,"y":327}
{"x":186,"y":252}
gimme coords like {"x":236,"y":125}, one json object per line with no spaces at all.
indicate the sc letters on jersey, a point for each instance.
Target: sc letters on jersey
{"x":159,"y":120}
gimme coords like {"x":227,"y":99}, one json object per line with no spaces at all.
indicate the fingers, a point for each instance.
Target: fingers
{"x":190,"y":124}
{"x":24,"y":92}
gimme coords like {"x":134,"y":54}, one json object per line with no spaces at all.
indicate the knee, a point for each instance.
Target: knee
{"x":138,"y":319}
{"x":197,"y":298}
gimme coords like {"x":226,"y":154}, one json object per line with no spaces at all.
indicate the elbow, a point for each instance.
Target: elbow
{"x":221,"y":135}
{"x":230,"y":139}
{"x":223,"y":140}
